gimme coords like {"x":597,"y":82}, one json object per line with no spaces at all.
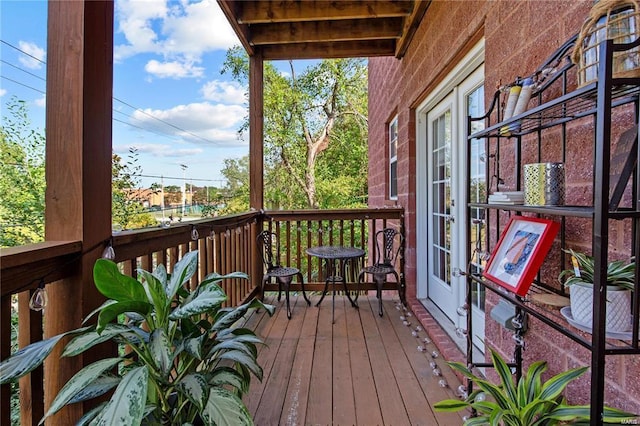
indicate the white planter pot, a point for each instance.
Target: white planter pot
{"x":618,"y":307}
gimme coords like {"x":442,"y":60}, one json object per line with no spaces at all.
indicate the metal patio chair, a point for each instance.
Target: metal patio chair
{"x":269,"y":250}
{"x":388,"y":245}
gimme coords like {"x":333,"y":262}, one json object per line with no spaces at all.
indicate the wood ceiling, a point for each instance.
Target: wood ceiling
{"x":314,"y":29}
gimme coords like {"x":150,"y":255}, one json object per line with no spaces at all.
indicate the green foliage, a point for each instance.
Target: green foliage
{"x":22,"y":178}
{"x":530,"y":402}
{"x":315,"y":133}
{"x":619,"y":273}
{"x":186,"y":358}
{"x":236,"y":171}
{"x":127,"y":210}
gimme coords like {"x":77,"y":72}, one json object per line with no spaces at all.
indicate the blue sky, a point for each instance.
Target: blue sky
{"x":170,"y":100}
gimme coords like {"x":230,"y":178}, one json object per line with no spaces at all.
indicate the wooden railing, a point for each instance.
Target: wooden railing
{"x":224,"y":244}
{"x":300,"y":229}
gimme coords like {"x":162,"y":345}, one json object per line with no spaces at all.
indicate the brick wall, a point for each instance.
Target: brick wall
{"x":519,"y":36}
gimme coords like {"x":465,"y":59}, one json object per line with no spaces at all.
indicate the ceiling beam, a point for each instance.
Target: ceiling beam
{"x":328,"y":50}
{"x":370,"y":29}
{"x":229,"y":9}
{"x":411,"y":24}
{"x":255,"y":12}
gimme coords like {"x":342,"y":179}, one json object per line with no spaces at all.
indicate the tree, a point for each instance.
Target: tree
{"x":320,"y":114}
{"x":236,"y":171}
{"x":126,"y":208}
{"x":22,"y":178}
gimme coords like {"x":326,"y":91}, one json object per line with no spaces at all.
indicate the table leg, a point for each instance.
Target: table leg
{"x":326,"y":282}
{"x":344,"y":282}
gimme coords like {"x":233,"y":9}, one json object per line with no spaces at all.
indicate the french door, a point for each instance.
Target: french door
{"x":441,"y":205}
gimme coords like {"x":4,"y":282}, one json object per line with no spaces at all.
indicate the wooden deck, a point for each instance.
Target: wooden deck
{"x":362,"y":370}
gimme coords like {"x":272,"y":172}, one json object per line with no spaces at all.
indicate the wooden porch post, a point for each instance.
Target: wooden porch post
{"x":256,"y":128}
{"x":78,"y":172}
{"x":256,"y":152}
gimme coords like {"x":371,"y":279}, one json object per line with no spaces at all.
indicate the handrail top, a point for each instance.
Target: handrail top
{"x":11,"y":257}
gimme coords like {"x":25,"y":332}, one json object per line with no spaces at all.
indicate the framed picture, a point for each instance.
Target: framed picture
{"x":522,"y":247}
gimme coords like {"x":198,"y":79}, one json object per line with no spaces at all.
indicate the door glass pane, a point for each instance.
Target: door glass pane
{"x":441,"y":195}
{"x":477,"y":193}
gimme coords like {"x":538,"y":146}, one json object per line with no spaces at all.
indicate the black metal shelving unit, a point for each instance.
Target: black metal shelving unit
{"x":556,"y":108}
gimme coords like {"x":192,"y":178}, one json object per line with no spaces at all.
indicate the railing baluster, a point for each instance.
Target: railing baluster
{"x":31,"y":385}
{"x":232,"y":248}
{"x":5,"y":351}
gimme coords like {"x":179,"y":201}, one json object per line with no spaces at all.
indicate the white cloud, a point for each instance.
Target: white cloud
{"x":199,"y":27}
{"x":172,"y":29}
{"x":202,"y":123}
{"x":2,"y":92}
{"x":225,"y":92}
{"x":41,"y":102}
{"x":173,"y":69}
{"x":35,"y":58}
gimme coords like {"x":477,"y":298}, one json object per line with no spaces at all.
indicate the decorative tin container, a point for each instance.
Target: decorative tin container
{"x":617,"y":20}
{"x":544,"y":184}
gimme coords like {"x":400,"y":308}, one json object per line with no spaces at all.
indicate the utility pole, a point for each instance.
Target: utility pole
{"x":184,"y":188}
{"x":162,"y":197}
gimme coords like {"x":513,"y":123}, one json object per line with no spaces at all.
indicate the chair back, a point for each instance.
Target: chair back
{"x":388,"y":245}
{"x":268,"y":247}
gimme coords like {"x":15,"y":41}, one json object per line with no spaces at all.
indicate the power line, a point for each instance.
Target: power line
{"x":162,"y":121}
{"x":23,"y":85}
{"x":180,"y":178}
{"x":23,"y":70}
{"x":23,"y":52}
{"x":114,"y":98}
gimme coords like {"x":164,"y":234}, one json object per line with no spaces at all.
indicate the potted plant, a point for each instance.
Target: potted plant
{"x":185,"y":361}
{"x":620,"y":283}
{"x":530,"y":402}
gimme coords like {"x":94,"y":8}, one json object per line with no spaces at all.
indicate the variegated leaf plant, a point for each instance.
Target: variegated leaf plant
{"x":186,"y":360}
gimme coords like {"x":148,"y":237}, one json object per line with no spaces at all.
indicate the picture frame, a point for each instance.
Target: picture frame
{"x":520,"y":251}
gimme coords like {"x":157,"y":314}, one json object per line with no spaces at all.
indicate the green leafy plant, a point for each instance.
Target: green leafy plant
{"x":530,"y":402}
{"x":619,"y":273}
{"x":186,"y":360}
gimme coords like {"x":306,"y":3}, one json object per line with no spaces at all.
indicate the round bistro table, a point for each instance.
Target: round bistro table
{"x":331,"y":255}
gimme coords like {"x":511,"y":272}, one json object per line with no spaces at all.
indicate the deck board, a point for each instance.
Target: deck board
{"x":361,"y":370}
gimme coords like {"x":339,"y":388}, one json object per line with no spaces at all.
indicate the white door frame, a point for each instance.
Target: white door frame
{"x":472,"y":61}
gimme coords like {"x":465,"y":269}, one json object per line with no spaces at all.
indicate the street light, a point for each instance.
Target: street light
{"x":184,"y":188}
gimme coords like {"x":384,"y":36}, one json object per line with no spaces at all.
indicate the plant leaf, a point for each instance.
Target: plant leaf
{"x":214,"y":277}
{"x":98,"y":387}
{"x":161,"y":273}
{"x":90,"y":415}
{"x":505,"y":376}
{"x":234,"y":315}
{"x":223,"y":408}
{"x":98,"y":309}
{"x":533,"y":382}
{"x":111,"y":312}
{"x":477,"y":421}
{"x":228,"y":376}
{"x":78,"y":382}
{"x":194,"y":346}
{"x":115,"y":285}
{"x":244,"y":359}
{"x":182,"y":271}
{"x":196,"y":388}
{"x":450,"y":405}
{"x":232,"y":344}
{"x":160,"y":348}
{"x":204,"y":302}
{"x":555,"y":385}
{"x":127,"y":404}
{"x":87,"y":340}
{"x":30,"y":357}
{"x":154,"y":289}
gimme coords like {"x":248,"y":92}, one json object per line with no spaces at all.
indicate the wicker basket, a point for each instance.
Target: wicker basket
{"x":618,"y":20}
